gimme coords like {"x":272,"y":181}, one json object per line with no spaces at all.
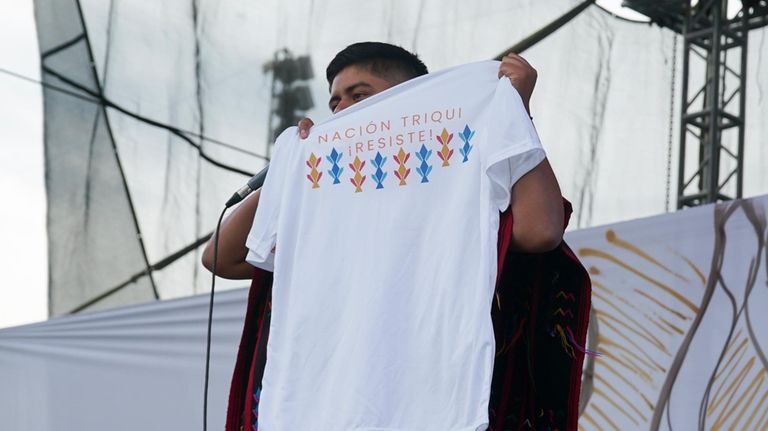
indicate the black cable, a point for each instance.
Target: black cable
{"x":210,"y":319}
{"x":62,"y":46}
{"x":108,"y":103}
{"x":95,"y":100}
{"x":113,"y":144}
{"x":162,"y":263}
{"x":50,"y":86}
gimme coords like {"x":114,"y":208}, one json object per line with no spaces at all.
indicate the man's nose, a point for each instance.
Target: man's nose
{"x":343,"y":104}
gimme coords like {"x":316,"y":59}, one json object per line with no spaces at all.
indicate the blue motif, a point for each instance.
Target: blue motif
{"x":379,"y":176}
{"x":465,"y":136}
{"x":424,"y":169}
{"x":335,"y":172}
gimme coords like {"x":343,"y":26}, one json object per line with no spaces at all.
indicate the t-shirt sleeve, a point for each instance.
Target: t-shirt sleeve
{"x":262,"y":237}
{"x":512,"y":146}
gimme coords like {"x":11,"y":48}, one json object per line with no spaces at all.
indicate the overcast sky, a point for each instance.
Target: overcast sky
{"x":23,"y":264}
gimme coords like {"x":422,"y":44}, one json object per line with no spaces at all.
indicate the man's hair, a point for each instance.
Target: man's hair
{"x":388,"y":62}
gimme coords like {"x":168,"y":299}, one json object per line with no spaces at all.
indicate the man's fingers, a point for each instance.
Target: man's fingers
{"x":510,"y":64}
{"x":304,"y":125}
{"x":513,"y":66}
{"x":517,"y":57}
{"x":521,"y":75}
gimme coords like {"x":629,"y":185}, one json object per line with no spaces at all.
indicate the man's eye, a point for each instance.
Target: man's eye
{"x":359,"y":96}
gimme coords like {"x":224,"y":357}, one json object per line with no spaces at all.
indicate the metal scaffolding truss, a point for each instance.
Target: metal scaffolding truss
{"x":712,"y":110}
{"x":710,"y":164}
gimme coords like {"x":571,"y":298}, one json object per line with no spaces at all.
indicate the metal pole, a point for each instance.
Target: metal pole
{"x":545,"y":31}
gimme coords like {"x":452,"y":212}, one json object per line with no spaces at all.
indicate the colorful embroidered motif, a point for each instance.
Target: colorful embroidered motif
{"x":358,"y":179}
{"x":564,"y":341}
{"x":314,"y":175}
{"x":402,"y":172}
{"x":379,"y":173}
{"x":379,"y":176}
{"x":445,"y":153}
{"x":465,"y":136}
{"x":424,"y":169}
{"x":335,"y":172}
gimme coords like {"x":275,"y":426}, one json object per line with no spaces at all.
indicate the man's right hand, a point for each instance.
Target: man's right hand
{"x":304,"y":125}
{"x":232,"y":235}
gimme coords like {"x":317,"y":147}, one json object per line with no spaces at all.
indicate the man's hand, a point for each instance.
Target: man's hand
{"x":537,"y":205}
{"x":521,"y":74}
{"x":232,"y":234}
{"x":304,"y":125}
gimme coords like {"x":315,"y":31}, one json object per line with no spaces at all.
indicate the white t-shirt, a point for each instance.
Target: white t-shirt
{"x":383,"y":224}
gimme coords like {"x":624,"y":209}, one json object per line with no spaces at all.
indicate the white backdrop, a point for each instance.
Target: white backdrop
{"x":134,"y":368}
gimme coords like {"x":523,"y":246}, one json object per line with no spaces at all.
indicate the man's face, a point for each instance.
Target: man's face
{"x":353,"y":84}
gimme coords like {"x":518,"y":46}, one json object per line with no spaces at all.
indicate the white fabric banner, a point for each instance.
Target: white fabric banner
{"x":126,"y":369}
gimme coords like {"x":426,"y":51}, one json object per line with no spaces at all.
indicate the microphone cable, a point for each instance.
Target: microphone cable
{"x":254,"y":183}
{"x":210,"y":319}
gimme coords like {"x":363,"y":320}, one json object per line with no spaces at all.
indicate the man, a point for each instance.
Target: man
{"x":356,"y":73}
{"x":364,"y":69}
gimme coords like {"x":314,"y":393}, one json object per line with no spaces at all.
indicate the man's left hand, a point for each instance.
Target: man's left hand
{"x":521,"y":74}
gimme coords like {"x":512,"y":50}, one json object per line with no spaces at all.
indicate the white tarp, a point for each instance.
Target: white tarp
{"x":678,"y":307}
{"x":126,"y":369}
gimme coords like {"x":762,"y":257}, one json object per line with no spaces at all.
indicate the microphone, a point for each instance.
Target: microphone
{"x":254,"y":183}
